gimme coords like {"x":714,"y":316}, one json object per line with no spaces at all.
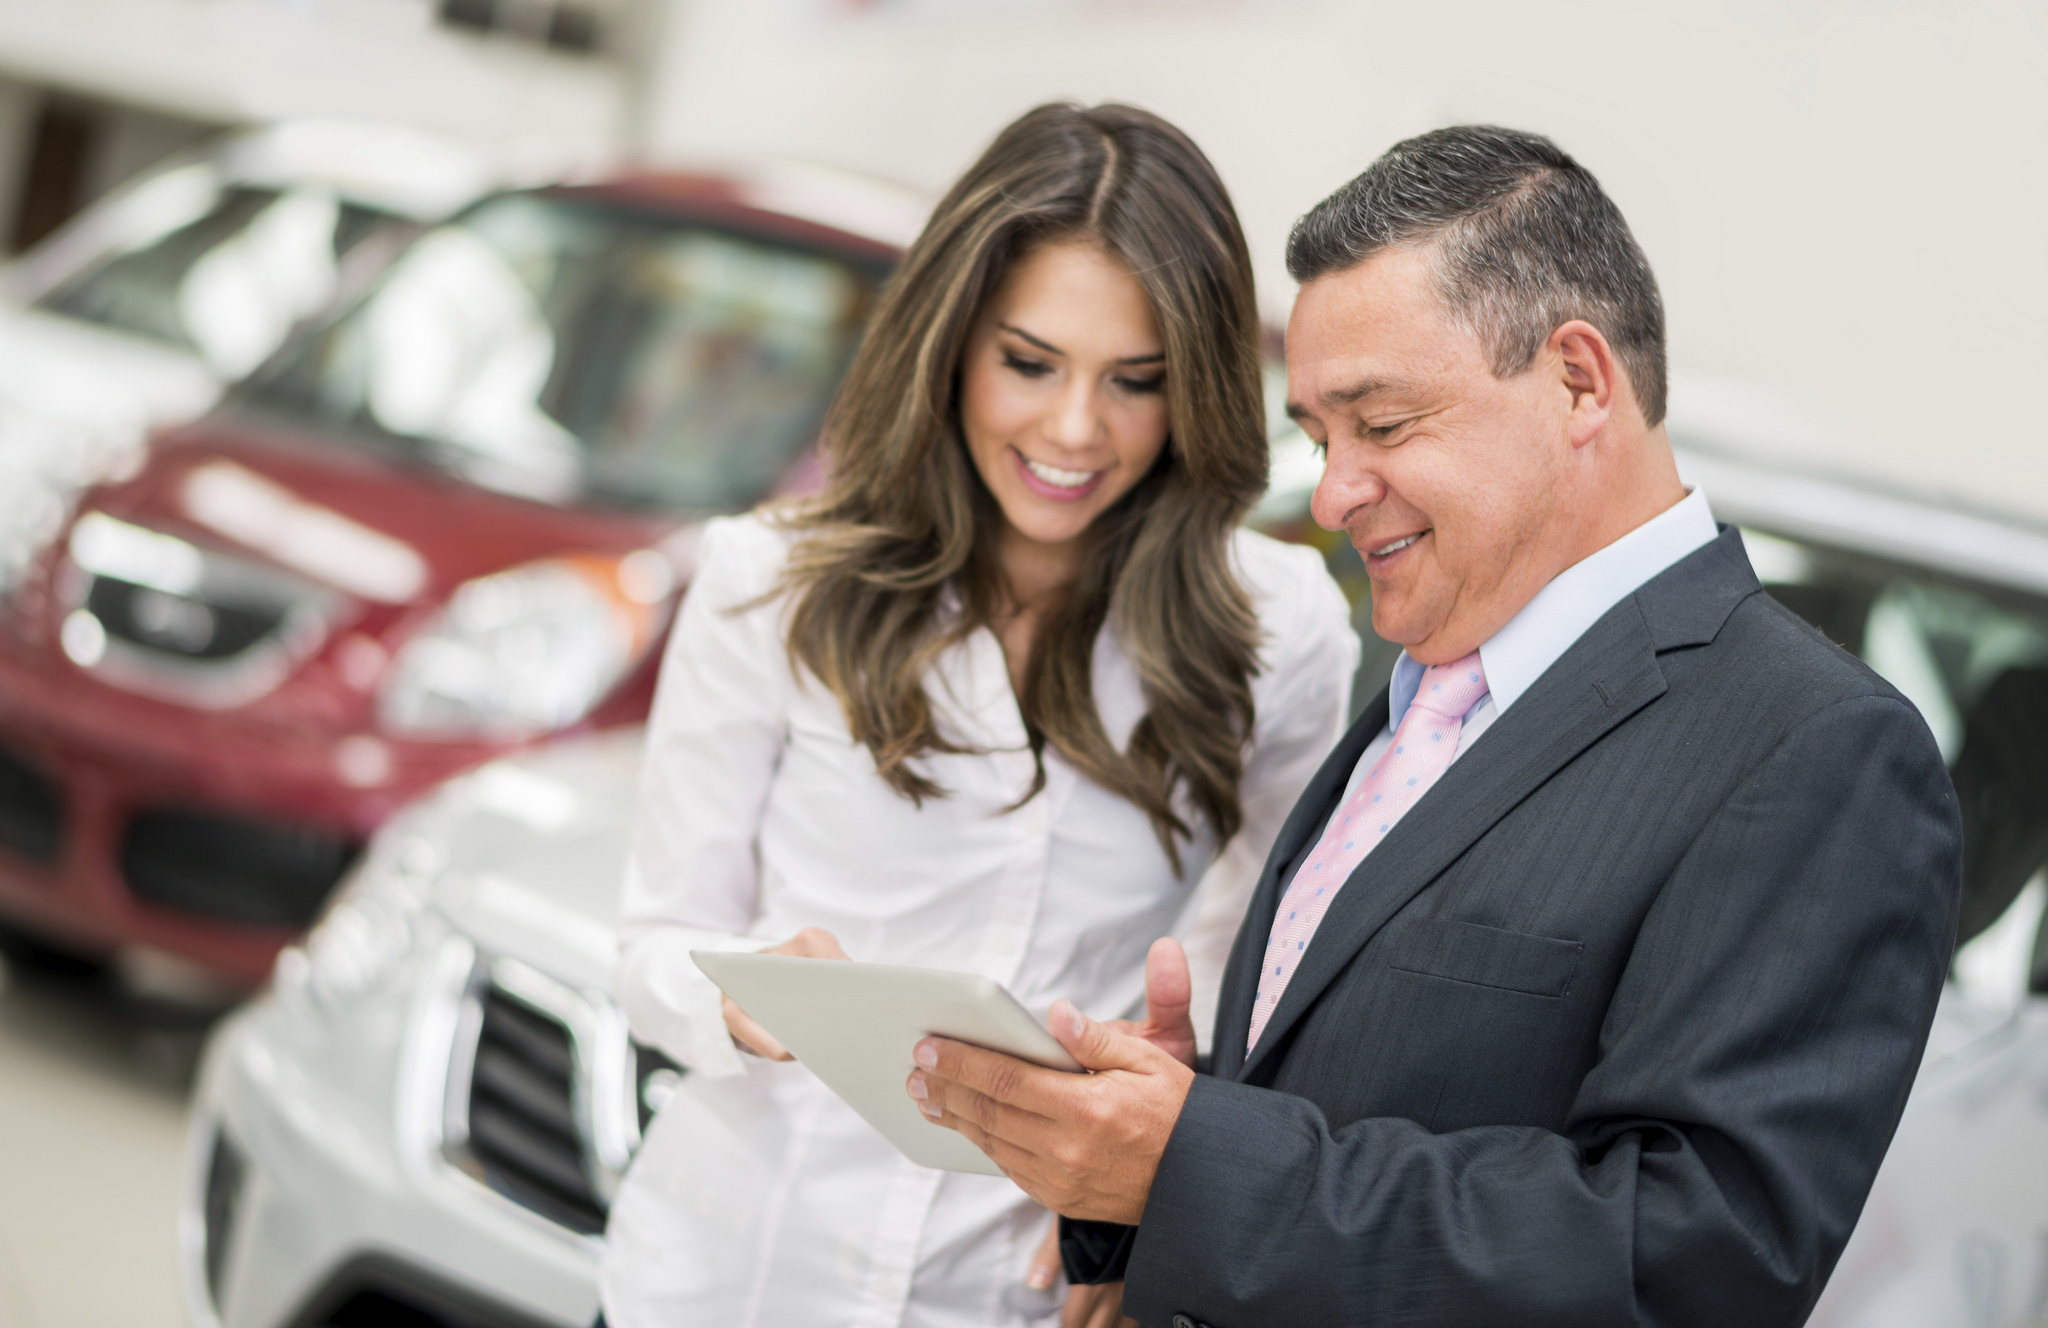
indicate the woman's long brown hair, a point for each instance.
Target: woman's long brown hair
{"x":904,"y":513}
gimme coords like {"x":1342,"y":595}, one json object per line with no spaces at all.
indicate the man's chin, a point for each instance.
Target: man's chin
{"x":1396,"y":621}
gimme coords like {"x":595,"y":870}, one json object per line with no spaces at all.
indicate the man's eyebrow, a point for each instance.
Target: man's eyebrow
{"x":1156,"y":357}
{"x":1354,"y":393}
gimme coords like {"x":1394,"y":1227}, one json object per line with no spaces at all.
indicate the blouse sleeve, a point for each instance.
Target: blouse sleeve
{"x":713,"y":743}
{"x":1303,"y":700}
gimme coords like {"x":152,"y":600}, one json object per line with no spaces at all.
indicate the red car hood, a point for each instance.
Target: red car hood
{"x":198,"y":474}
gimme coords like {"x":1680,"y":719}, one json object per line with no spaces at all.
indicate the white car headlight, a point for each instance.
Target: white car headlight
{"x":529,"y":649}
{"x":368,"y":924}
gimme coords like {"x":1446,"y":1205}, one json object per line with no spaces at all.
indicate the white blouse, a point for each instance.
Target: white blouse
{"x":759,"y":1198}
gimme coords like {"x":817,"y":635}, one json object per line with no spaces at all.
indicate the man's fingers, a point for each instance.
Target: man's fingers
{"x":1095,"y":1044}
{"x":959,"y":1107}
{"x":1007,"y":1079}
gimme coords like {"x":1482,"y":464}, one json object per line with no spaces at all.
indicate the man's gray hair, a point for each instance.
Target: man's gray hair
{"x":1521,"y":239}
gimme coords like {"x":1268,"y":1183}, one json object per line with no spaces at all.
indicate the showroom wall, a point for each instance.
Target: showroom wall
{"x":1844,"y":202}
{"x":92,"y":91}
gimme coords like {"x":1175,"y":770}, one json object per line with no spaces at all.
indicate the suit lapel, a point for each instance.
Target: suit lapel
{"x":1608,"y":674}
{"x":1304,"y":825}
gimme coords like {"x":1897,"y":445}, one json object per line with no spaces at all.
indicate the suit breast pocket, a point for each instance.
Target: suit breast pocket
{"x":1488,"y":957}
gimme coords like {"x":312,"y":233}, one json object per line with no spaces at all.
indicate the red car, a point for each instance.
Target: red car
{"x":451,"y":520}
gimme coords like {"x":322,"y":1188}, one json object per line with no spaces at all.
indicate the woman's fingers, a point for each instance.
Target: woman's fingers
{"x":811,"y":943}
{"x":1094,"y":1307}
{"x":1045,"y":1261}
{"x":750,"y":1034}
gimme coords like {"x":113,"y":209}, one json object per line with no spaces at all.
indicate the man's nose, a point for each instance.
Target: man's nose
{"x":1348,"y":484}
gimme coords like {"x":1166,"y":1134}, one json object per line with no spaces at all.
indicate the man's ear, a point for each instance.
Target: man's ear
{"x":1591,"y":374}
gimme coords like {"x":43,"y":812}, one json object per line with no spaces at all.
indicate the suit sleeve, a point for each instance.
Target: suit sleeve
{"x":1754,"y":1062}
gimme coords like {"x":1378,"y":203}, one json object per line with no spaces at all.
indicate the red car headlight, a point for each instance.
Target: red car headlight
{"x":529,"y":649}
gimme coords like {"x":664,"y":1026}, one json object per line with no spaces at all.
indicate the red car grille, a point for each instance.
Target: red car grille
{"x":31,"y":810}
{"x":183,"y":626}
{"x":234,"y":868}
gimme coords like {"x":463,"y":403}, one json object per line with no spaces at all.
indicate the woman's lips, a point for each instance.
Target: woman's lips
{"x":1043,"y":479}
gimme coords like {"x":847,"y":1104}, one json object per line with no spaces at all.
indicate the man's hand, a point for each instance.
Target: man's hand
{"x":1087,"y":1145}
{"x":810,"y":943}
{"x":1168,"y":992}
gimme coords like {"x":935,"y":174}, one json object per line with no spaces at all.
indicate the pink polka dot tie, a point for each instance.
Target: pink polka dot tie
{"x":1419,"y":755}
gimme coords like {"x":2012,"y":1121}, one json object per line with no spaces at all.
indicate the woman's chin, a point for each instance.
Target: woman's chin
{"x":1052,"y":534}
{"x":1043,"y":521}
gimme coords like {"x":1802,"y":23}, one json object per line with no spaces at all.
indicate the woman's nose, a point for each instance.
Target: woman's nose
{"x":1075,"y":420}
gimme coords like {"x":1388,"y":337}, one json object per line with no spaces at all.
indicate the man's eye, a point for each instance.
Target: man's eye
{"x":1144,"y":386}
{"x":1380,"y":432}
{"x":1028,"y":368}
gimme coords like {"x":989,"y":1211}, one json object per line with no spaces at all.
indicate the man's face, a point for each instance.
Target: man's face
{"x":1445,"y":477}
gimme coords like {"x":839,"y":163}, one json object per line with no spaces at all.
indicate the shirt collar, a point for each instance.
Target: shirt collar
{"x":1575,"y":599}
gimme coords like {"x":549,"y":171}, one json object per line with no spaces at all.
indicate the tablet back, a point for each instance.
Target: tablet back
{"x":854,"y":1026}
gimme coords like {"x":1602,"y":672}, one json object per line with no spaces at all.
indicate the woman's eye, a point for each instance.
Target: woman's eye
{"x":1028,"y":368}
{"x":1143,"y":386}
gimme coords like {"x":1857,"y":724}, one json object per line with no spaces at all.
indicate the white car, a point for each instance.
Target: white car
{"x":138,"y":311}
{"x":428,"y":1111}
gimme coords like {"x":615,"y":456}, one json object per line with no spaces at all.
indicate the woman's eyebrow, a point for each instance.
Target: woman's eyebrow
{"x":1156,"y":357}
{"x":1039,"y":342}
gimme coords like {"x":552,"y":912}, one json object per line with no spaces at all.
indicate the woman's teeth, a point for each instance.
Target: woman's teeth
{"x":1062,"y":479}
{"x":1398,"y":544}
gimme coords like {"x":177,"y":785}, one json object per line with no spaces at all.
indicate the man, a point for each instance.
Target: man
{"x":1586,"y":983}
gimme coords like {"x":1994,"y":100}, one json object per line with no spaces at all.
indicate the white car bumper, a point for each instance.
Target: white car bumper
{"x":336,"y":1184}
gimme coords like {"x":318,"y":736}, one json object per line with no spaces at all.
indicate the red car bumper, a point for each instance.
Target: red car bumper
{"x":126,"y":821}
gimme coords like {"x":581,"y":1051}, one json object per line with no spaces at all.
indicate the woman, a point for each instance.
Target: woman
{"x":999,"y":700}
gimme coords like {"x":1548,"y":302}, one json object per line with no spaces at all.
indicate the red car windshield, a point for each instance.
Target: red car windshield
{"x":579,"y":352}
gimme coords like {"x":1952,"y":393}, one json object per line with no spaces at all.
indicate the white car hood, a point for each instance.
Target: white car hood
{"x":533,"y":850}
{"x":64,"y":369}
{"x":76,"y":406}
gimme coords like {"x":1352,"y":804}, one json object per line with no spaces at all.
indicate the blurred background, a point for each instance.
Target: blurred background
{"x":313,"y":500}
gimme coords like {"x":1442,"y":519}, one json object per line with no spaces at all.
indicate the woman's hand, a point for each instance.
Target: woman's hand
{"x":810,"y":943}
{"x":1085,"y":1306}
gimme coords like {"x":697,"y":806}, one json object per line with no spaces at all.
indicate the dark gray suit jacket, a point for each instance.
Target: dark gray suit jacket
{"x":1612,"y":1029}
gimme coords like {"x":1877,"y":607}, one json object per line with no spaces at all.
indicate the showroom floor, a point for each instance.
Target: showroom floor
{"x":92,"y":1118}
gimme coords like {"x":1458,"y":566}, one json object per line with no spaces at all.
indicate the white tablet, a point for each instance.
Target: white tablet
{"x":854,"y":1026}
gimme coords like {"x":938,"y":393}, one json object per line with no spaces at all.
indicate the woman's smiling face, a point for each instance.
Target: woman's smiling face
{"x":1062,"y":391}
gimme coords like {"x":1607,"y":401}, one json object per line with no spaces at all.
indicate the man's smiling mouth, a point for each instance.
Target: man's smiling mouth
{"x":1397,"y":545}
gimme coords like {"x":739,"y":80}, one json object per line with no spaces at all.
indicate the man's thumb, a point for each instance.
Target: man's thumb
{"x":1095,"y":1045}
{"x":1168,"y":988}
